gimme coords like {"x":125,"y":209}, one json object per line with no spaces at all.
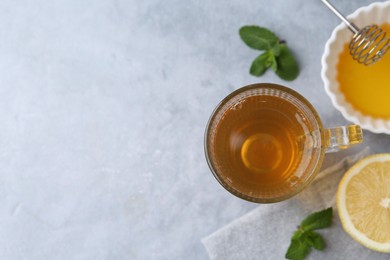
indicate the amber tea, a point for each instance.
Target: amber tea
{"x":263,"y":142}
{"x":258,"y":139}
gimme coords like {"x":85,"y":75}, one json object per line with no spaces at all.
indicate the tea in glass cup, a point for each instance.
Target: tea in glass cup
{"x":265,"y":142}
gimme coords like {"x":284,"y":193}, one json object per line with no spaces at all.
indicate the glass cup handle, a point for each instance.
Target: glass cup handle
{"x":342,"y":137}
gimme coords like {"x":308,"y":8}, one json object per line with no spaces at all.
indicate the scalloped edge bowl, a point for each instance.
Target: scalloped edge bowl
{"x":375,"y":13}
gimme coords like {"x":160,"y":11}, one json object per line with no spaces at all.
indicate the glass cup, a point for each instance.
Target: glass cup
{"x":265,"y":142}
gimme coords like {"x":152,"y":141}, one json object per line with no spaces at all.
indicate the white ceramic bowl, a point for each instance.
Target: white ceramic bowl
{"x":376,"y":13}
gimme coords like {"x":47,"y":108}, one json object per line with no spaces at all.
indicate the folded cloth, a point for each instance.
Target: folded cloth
{"x":265,"y":232}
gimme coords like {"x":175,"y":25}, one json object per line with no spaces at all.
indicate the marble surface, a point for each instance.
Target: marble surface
{"x":103,"y":105}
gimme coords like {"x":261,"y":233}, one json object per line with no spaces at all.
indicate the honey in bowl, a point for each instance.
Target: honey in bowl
{"x":366,"y":88}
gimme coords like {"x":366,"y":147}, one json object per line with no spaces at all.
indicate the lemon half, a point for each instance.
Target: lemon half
{"x":363,"y":202}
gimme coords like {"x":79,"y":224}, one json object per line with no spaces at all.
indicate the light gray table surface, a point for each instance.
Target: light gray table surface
{"x":103,"y":106}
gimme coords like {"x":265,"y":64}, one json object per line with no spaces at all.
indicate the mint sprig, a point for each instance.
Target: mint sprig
{"x":276,"y":54}
{"x":304,"y":239}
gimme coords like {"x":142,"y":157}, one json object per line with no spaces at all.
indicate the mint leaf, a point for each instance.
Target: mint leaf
{"x":259,"y":65}
{"x":318,"y":220}
{"x":305,"y":238}
{"x":297,"y":235}
{"x":258,"y":37}
{"x":274,"y":64}
{"x":275,"y":50}
{"x":315,"y":240}
{"x":298,"y":249}
{"x":287,"y":65}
